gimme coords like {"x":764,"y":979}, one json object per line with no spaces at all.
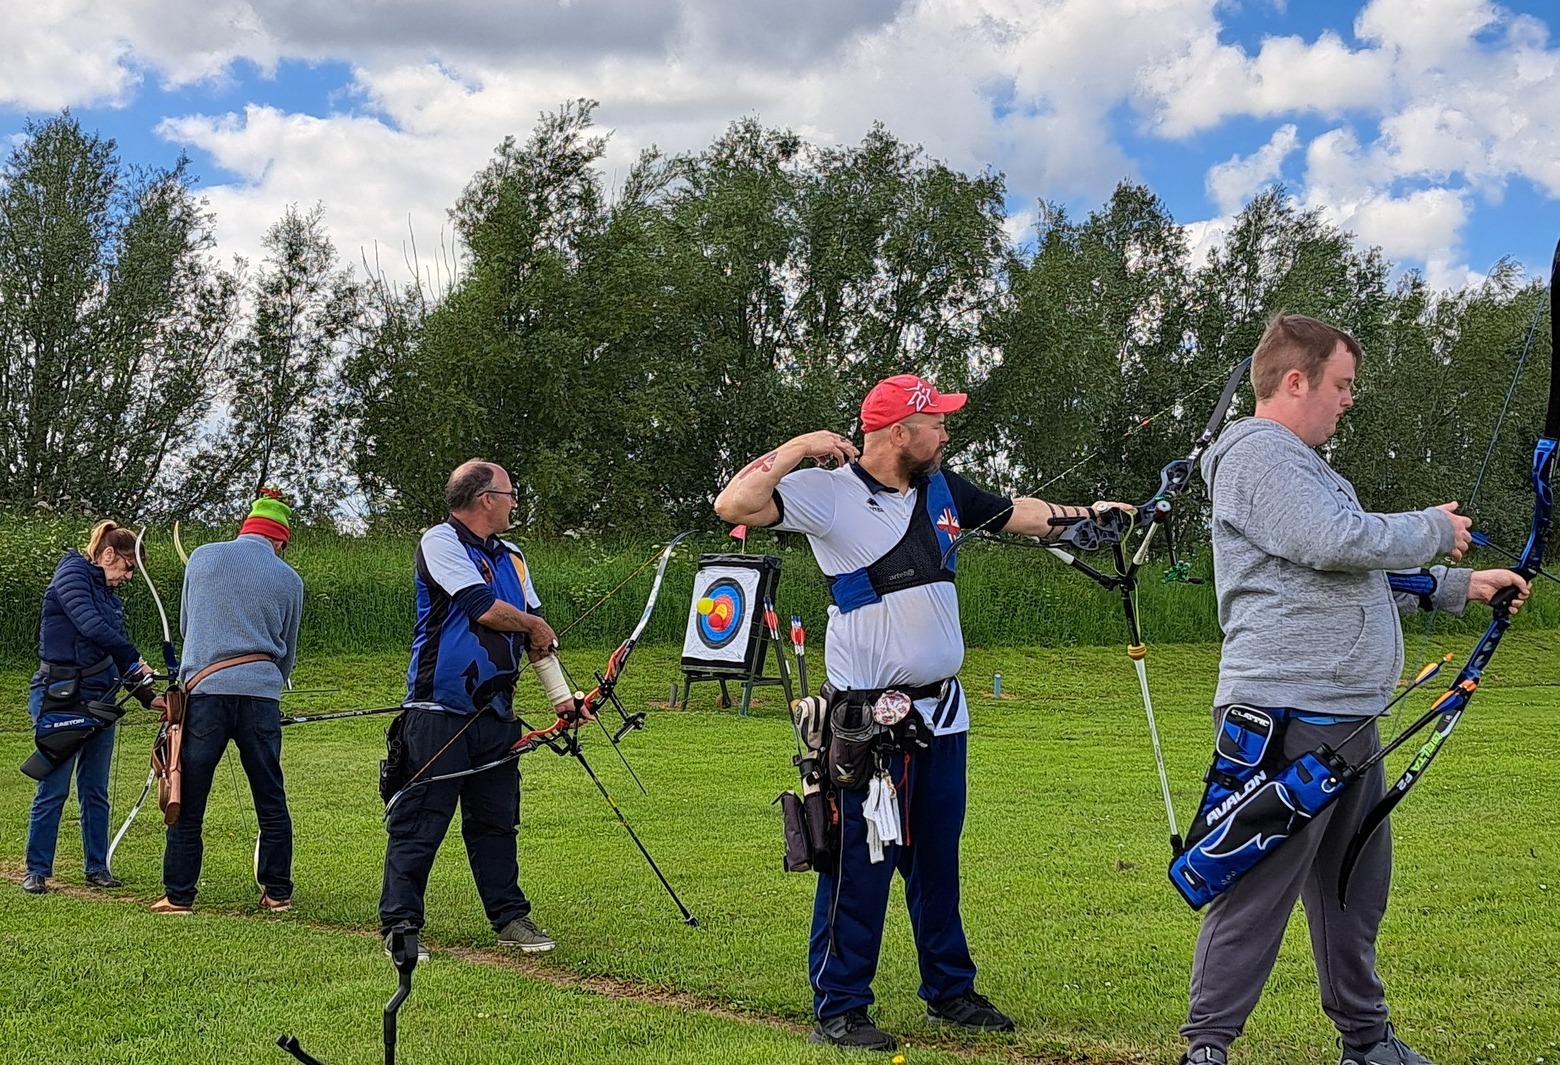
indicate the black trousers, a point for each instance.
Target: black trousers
{"x":489,"y":811}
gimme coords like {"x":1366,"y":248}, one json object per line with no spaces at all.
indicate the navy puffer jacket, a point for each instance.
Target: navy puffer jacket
{"x":83,"y":618}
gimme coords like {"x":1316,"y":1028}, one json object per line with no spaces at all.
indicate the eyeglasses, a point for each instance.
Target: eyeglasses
{"x":512,"y":493}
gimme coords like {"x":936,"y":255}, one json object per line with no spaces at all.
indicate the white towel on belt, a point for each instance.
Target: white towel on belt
{"x":881,"y":811}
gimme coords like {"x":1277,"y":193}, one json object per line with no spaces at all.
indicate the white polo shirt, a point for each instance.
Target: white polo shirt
{"x":910,"y":637}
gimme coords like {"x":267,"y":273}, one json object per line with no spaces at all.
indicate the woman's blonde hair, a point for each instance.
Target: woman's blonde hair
{"x":108,"y":533}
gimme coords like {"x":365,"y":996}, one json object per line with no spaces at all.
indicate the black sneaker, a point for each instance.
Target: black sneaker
{"x":1205,"y":1056}
{"x":35,"y":884}
{"x":852,"y":1030}
{"x":971,"y":1011}
{"x":1390,"y":1051}
{"x":104,"y":879}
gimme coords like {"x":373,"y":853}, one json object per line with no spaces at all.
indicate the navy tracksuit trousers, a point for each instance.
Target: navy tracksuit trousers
{"x":852,"y":899}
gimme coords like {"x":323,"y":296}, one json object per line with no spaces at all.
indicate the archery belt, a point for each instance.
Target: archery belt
{"x":846,"y":739}
{"x":1253,"y":802}
{"x":66,"y":722}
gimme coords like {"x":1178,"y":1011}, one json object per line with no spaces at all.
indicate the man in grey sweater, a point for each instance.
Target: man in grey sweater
{"x":1311,"y":634}
{"x":239,"y":620}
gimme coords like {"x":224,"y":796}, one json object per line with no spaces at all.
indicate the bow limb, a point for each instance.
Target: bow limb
{"x":171,"y":661}
{"x":178,"y":546}
{"x":605,"y":691}
{"x":1448,"y":710}
{"x":108,"y":859}
{"x":170,"y":658}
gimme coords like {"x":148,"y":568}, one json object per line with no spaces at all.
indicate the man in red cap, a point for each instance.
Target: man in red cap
{"x":239,"y":618}
{"x":880,"y":524}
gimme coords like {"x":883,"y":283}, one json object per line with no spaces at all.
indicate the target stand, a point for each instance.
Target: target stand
{"x":727,"y":639}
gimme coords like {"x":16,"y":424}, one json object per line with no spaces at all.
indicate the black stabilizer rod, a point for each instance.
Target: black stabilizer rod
{"x":403,"y":951}
{"x":290,"y":1044}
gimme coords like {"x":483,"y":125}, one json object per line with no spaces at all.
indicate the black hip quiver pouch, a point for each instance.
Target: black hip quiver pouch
{"x":392,"y":767}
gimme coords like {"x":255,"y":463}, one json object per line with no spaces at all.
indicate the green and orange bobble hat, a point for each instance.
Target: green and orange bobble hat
{"x":270,"y":515}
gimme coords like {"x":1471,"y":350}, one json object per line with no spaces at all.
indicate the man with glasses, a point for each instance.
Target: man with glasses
{"x":239,"y":619}
{"x":477,"y":622}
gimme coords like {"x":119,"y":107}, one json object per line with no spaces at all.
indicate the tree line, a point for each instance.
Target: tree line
{"x":624,"y":350}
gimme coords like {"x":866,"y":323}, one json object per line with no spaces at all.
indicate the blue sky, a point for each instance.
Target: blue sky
{"x":1428,"y":127}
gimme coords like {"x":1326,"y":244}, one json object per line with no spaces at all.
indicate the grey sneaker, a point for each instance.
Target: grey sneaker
{"x":35,"y":884}
{"x":523,"y":933}
{"x":422,"y":951}
{"x":1390,"y":1051}
{"x":1205,"y":1056}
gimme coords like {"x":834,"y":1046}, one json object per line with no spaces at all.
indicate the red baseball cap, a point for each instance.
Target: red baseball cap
{"x":902,"y":395}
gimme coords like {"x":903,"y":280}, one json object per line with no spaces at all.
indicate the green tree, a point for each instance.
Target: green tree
{"x":1094,"y":389}
{"x":114,"y":323}
{"x":286,"y":423}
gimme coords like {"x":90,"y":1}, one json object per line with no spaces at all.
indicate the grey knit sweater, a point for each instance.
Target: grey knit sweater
{"x":240,"y":598}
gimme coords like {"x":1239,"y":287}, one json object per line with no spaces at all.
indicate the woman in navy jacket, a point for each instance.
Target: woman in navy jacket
{"x":84,"y":654}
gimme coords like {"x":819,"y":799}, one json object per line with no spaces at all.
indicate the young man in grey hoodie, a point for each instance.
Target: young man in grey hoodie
{"x":1311,"y":633}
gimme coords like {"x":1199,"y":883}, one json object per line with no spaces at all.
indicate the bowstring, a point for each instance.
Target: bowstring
{"x":1143,"y":423}
{"x":1478,"y":480}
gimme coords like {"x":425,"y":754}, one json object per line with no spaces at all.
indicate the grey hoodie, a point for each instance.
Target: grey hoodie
{"x":1308,"y":617}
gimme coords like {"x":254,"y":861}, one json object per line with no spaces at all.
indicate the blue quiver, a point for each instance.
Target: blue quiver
{"x":1253,"y":803}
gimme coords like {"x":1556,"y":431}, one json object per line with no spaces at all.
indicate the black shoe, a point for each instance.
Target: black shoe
{"x":853,"y":1030}
{"x":34,"y":884}
{"x":1205,"y":1056}
{"x":971,"y":1011}
{"x":104,"y":879}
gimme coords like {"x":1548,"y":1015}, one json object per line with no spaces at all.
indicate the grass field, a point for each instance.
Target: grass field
{"x":1071,"y":920}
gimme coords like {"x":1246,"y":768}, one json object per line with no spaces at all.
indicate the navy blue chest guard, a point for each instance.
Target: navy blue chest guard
{"x":915,"y":560}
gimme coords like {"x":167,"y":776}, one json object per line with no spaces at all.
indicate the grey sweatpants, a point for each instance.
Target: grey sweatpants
{"x":1244,"y":927}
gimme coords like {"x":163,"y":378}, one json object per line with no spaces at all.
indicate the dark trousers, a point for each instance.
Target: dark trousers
{"x":852,"y":899}
{"x":489,"y":817}
{"x":1244,"y":927}
{"x":254,"y":725}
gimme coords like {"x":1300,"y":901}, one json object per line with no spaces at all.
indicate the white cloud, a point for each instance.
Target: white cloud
{"x":49,"y":65}
{"x":1236,"y":180}
{"x":1460,"y":96}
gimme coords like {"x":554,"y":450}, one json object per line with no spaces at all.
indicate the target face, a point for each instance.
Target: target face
{"x":724,"y":615}
{"x":722,"y":610}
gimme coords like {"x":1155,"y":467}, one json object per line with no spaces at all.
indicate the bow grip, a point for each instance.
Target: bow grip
{"x":1501,"y":603}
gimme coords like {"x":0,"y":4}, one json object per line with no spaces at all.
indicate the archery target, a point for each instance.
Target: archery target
{"x":726,"y":612}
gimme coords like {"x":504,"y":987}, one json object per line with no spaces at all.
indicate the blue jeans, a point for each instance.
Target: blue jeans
{"x":91,"y":765}
{"x":255,"y":727}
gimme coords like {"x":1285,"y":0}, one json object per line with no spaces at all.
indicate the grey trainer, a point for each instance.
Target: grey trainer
{"x":523,"y":933}
{"x":1205,"y":1056}
{"x":1390,"y":1051}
